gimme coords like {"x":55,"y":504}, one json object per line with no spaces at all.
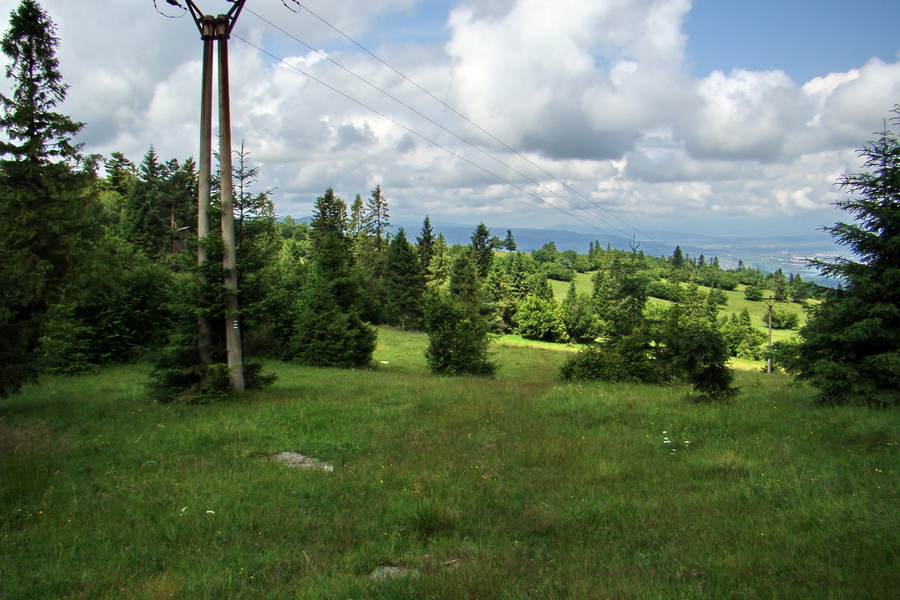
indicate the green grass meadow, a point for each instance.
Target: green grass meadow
{"x":736,"y":303}
{"x":514,"y":487}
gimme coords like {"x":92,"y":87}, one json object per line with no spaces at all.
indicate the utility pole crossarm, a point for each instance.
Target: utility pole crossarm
{"x":229,"y":19}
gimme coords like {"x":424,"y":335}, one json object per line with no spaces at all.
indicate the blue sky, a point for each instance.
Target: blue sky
{"x":804,"y":38}
{"x":707,"y":115}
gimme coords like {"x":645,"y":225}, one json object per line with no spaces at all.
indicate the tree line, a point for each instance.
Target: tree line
{"x":99,"y":265}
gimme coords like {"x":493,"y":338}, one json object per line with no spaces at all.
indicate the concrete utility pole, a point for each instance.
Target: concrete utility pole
{"x":218,"y":29}
{"x":770,"y":302}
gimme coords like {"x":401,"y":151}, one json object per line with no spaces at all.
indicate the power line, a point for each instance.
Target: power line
{"x":436,"y":124}
{"x":421,"y":136}
{"x":479,"y":128}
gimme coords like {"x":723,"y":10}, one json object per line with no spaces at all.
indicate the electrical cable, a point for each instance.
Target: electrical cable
{"x":445,"y":129}
{"x":479,"y":128}
{"x":423,"y":137}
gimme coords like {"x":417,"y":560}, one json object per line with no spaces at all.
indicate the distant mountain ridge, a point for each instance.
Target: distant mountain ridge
{"x":767,"y":253}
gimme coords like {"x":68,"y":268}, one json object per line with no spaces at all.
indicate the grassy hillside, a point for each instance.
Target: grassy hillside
{"x":736,"y":304}
{"x":511,"y":488}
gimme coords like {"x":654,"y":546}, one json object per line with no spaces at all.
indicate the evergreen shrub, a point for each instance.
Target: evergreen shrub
{"x":458,"y":337}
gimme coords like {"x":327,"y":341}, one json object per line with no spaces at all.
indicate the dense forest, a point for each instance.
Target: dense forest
{"x":99,"y":265}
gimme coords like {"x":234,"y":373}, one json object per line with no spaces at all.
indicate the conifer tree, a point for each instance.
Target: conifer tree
{"x":45,"y":196}
{"x":329,"y":331}
{"x":510,"y":242}
{"x":142,"y":221}
{"x":425,"y":243}
{"x":356,"y":216}
{"x":438,"y":269}
{"x":457,"y":326}
{"x":677,"y":261}
{"x":850,"y":347}
{"x":517,"y":275}
{"x":404,"y":283}
{"x":578,"y":317}
{"x":482,"y":250}
{"x":120,"y":173}
{"x":376,"y":218}
{"x":329,"y":217}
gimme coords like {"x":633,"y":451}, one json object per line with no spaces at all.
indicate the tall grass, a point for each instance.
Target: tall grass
{"x":512,"y":487}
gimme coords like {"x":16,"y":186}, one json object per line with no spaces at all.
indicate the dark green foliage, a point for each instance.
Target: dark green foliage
{"x":539,"y":319}
{"x":701,"y":353}
{"x":743,"y":339}
{"x":779,"y":286}
{"x":160,"y":204}
{"x":627,"y":298}
{"x":142,"y":222}
{"x":677,"y":261}
{"x":329,"y":333}
{"x":546,"y":253}
{"x":509,"y":243}
{"x":120,"y":173}
{"x":376,"y":218}
{"x":782,"y":319}
{"x":578,"y":318}
{"x":597,"y":363}
{"x":329,"y":217}
{"x":482,"y":250}
{"x":464,"y":283}
{"x":438,"y":269}
{"x":850,"y":348}
{"x":125,"y":311}
{"x":559,"y":271}
{"x":517,"y":268}
{"x":458,"y":336}
{"x":356,"y":228}
{"x":404,"y":283}
{"x":425,"y":243}
{"x":264,"y":302}
{"x":660,"y":288}
{"x":754,"y":293}
{"x":49,"y":213}
{"x":328,"y":330}
{"x":537,"y":285}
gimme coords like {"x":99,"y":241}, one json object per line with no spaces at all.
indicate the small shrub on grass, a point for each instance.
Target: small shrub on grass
{"x":782,"y":319}
{"x":701,"y":352}
{"x":596,"y":362}
{"x":753,"y":293}
{"x":626,"y":360}
{"x":458,"y":337}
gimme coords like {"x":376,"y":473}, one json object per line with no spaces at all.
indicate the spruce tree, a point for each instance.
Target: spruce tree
{"x":120,"y":173}
{"x":850,"y":347}
{"x":45,"y":198}
{"x":376,"y":218}
{"x":143,"y":223}
{"x":457,"y":326}
{"x":437,"y":272}
{"x":356,"y":216}
{"x":404,"y":283}
{"x":510,"y":242}
{"x":483,"y":253}
{"x":425,"y":243}
{"x":328,"y":330}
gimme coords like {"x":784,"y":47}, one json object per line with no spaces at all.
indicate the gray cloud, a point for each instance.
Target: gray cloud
{"x":596,"y":93}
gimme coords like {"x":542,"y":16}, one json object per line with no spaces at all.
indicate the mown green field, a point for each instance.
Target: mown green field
{"x":514,"y":487}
